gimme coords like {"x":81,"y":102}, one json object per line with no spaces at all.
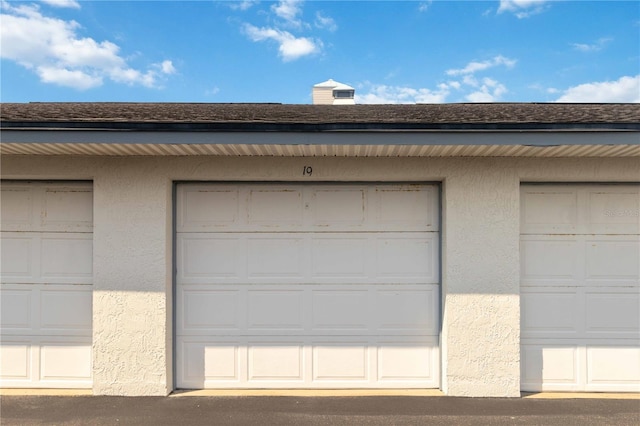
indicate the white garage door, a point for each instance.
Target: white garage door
{"x":45,"y":290}
{"x":307,"y":286}
{"x":580,"y":292}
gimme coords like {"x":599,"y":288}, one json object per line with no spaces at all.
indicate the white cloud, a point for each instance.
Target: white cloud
{"x":455,"y":84}
{"x":489,"y":91}
{"x":64,"y":77}
{"x":73,"y":4}
{"x":473,"y":67}
{"x":593,"y":47}
{"x":242,"y":5}
{"x":423,"y":6}
{"x":625,"y":89}
{"x":540,"y":88}
{"x":480,"y":96}
{"x":167,"y":67}
{"x":288,"y":10}
{"x":485,"y":90}
{"x":325,"y":22}
{"x":468,"y":87}
{"x":522,"y":8}
{"x":132,"y":76}
{"x":54,"y":50}
{"x":383,"y":94}
{"x":291,"y":47}
{"x":470,"y":80}
{"x":212,"y":92}
{"x":392,"y":74}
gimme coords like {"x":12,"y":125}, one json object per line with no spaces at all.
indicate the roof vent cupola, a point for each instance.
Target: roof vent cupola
{"x":331,"y":92}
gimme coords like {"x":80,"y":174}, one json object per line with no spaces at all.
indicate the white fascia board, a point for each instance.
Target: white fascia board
{"x":515,"y":138}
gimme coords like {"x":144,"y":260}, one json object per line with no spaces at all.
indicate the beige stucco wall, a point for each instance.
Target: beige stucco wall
{"x":132,"y":302}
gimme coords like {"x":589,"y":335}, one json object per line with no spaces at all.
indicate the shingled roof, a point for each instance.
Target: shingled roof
{"x":279,"y":117}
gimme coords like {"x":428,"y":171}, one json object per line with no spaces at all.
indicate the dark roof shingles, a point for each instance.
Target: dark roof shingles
{"x":418,"y":114}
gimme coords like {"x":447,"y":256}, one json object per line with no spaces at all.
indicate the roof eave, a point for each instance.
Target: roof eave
{"x":313,"y":127}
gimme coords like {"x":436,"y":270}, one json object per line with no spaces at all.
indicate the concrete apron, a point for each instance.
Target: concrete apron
{"x":321,"y":393}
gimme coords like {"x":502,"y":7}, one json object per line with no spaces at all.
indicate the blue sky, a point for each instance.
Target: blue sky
{"x":275,"y":51}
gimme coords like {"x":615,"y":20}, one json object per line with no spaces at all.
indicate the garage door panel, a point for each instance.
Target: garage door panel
{"x":340,"y":309}
{"x":312,"y":208}
{"x":221,"y":362}
{"x":31,"y":257}
{"x":65,"y":361}
{"x":208,"y":362}
{"x":408,"y":257}
{"x":64,"y":308}
{"x":275,"y":257}
{"x":609,"y":260}
{"x":319,"y":362}
{"x":580,"y":209}
{"x":335,"y":361}
{"x":610,"y":365}
{"x":68,"y":208}
{"x":46,"y":309}
{"x":552,"y":260}
{"x":15,"y":360}
{"x":18,"y":263}
{"x":271,"y":258}
{"x":580,"y":300}
{"x":614,"y":210}
{"x":205,"y":208}
{"x":46,"y":362}
{"x":47,"y":207}
{"x":352,"y":210}
{"x":408,"y":361}
{"x":325,"y":279}
{"x":549,"y":210}
{"x":46,"y":291}
{"x":275,"y":361}
{"x":270,"y":207}
{"x":407,"y":310}
{"x":17,"y":210}
{"x":16,"y":308}
{"x":563,"y":310}
{"x":280,"y":310}
{"x":211,"y":309}
{"x":616,"y":314}
{"x":341,"y":256}
{"x":208,"y":257}
{"x":66,"y":258}
{"x":312,"y":310}
{"x":408,"y":207}
{"x":579,"y":313}
{"x":549,"y":260}
{"x":550,"y":367}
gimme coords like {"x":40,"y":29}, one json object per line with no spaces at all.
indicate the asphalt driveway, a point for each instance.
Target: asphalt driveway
{"x":376,"y":410}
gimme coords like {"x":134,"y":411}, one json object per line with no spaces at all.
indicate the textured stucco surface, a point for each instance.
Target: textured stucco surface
{"x":481,"y":315}
{"x":131,"y":253}
{"x":133,"y":263}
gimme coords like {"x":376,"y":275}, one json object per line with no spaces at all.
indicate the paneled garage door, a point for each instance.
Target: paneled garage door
{"x":580,"y":292}
{"x":46,"y":287}
{"x":307,"y":286}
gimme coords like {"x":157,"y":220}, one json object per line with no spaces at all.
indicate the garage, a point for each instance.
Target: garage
{"x":46,"y":284}
{"x":580,"y":293}
{"x":307,"y":285}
